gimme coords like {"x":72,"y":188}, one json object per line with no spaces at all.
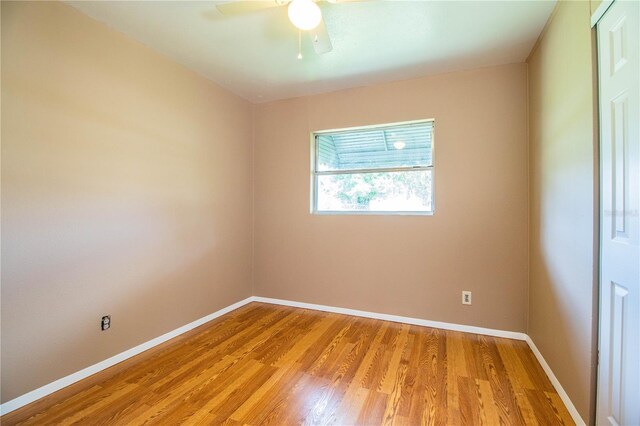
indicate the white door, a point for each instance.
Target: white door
{"x":619,"y":81}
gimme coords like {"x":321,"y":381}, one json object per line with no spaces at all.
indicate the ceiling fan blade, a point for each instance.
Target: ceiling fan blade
{"x":240,"y":7}
{"x":320,"y":39}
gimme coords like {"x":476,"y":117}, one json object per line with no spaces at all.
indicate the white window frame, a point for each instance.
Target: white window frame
{"x":315,"y":173}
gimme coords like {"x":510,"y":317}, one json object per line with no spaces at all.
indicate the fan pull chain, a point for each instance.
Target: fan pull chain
{"x":299,"y":44}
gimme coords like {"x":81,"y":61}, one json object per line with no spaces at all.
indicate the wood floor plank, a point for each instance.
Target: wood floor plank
{"x":272,"y":365}
{"x":277,"y":406}
{"x":408,"y":385}
{"x":373,"y":409}
{"x":501,"y":388}
{"x":392,"y":406}
{"x":305,"y":401}
{"x":456,"y":367}
{"x":488,"y":409}
{"x":356,"y":363}
{"x":307,"y":341}
{"x":434,"y":368}
{"x":470,"y":407}
{"x":519,"y":379}
{"x":327,"y":351}
{"x":545,"y":410}
{"x":559,"y":408}
{"x":389,"y":382}
{"x":532,"y":367}
{"x":350,"y":406}
{"x":224,"y":392}
{"x":325,"y":406}
{"x":516,"y":371}
{"x":415,"y":381}
{"x":264,"y":392}
{"x":473,"y":357}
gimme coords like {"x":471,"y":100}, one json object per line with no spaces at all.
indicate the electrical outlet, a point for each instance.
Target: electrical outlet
{"x":466,"y":297}
{"x":105,"y":324}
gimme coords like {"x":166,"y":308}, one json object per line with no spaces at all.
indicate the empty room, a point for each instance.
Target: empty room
{"x":332,"y":212}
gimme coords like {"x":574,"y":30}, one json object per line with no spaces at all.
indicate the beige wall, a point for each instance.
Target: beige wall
{"x":562,"y":184}
{"x":126,"y":190}
{"x":594,"y":4}
{"x":405,"y":265}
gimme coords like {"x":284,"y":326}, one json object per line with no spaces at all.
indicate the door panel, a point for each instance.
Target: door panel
{"x":619,"y":343}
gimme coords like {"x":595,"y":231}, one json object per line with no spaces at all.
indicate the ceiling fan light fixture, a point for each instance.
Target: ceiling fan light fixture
{"x":304,"y":14}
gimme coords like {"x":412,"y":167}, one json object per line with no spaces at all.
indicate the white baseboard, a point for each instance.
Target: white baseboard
{"x":45,"y":390}
{"x":556,"y":384}
{"x":396,"y":318}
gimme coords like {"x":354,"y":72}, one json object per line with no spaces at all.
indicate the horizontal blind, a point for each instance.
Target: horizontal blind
{"x":394,"y":146}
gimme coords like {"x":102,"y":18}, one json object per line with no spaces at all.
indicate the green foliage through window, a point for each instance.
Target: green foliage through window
{"x":386,"y":169}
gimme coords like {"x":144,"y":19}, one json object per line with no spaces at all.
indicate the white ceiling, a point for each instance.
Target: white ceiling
{"x":254,"y":55}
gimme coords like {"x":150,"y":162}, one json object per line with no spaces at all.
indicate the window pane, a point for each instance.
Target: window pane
{"x":409,"y":191}
{"x":394,"y":146}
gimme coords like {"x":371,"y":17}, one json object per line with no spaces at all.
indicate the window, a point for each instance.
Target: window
{"x":381,"y":169}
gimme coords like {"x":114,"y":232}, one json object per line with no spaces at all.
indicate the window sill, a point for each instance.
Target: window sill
{"x":371,"y":213}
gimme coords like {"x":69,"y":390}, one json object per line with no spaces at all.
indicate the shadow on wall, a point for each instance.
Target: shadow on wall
{"x":556,"y":310}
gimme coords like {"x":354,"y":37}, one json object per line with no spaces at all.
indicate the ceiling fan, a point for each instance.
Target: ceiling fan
{"x":303,"y":14}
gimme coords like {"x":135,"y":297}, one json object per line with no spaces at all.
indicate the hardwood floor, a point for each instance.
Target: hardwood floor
{"x":266,"y":364}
